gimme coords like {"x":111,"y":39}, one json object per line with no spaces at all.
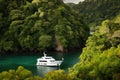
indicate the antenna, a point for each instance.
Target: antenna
{"x":44,"y":54}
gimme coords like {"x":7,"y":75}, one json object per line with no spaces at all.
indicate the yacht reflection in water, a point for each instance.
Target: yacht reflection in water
{"x":42,"y":70}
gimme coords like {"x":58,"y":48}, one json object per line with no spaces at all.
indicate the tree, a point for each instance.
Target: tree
{"x":45,"y":41}
{"x":100,"y":58}
{"x":57,"y":75}
{"x":20,"y":74}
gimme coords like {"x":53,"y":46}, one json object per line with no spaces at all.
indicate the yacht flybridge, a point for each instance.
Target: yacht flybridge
{"x":48,"y":61}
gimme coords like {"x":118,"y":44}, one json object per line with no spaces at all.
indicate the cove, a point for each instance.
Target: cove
{"x":29,"y":62}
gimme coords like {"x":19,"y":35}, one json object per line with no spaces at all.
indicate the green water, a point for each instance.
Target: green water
{"x":29,"y":62}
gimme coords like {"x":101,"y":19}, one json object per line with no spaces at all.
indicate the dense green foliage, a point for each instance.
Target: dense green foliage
{"x":23,"y":74}
{"x":20,"y":74}
{"x":95,"y":11}
{"x":100,"y":59}
{"x":40,"y":24}
{"x":57,"y":75}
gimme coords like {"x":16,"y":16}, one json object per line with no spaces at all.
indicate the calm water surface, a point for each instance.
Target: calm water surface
{"x":29,"y":62}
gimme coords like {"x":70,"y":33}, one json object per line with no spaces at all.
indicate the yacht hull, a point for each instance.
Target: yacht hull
{"x":56,"y":63}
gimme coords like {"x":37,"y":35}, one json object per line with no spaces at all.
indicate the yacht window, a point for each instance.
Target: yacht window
{"x":47,"y":58}
{"x":43,"y":61}
{"x":52,"y":61}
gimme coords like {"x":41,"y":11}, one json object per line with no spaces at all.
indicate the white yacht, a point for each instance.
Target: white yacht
{"x":48,"y":61}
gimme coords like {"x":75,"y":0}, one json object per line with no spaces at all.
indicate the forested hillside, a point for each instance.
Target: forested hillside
{"x":58,"y":25}
{"x":95,"y":11}
{"x":100,"y":59}
{"x":40,"y":25}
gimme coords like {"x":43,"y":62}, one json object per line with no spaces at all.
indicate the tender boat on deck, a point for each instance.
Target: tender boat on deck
{"x":48,"y":61}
